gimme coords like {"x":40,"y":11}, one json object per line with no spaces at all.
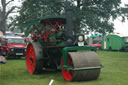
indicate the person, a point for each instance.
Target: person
{"x":2,"y":60}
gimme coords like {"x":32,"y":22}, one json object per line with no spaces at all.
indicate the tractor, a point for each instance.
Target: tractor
{"x":58,"y":48}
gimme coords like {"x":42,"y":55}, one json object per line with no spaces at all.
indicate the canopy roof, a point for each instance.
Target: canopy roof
{"x":46,"y":20}
{"x":96,"y":35}
{"x":53,"y":20}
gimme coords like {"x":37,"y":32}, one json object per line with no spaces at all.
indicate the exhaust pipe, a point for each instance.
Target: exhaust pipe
{"x":69,"y":30}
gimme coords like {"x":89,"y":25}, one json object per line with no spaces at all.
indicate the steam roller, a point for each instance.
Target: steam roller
{"x":56,"y":47}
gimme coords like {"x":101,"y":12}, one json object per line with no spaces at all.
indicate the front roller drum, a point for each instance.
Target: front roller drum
{"x":81,"y":60}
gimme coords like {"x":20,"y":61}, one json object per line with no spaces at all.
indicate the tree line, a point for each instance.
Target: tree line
{"x":88,"y":15}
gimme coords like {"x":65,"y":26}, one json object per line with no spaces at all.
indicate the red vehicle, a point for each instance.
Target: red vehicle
{"x":13,"y":46}
{"x":98,"y":45}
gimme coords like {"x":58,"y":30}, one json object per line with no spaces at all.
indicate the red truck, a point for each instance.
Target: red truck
{"x":12,"y":46}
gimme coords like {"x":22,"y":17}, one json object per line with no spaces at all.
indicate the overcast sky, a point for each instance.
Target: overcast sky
{"x":118,"y":25}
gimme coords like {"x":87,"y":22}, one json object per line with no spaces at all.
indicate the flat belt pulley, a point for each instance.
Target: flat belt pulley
{"x":81,"y":60}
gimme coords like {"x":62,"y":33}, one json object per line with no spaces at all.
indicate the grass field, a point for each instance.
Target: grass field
{"x":115,"y":72}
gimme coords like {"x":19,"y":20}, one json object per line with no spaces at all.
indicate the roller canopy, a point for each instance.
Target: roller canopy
{"x":53,"y":19}
{"x":45,"y":20}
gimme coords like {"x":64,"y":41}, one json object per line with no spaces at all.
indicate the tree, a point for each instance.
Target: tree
{"x":95,"y":15}
{"x":4,"y":14}
{"x":90,"y":15}
{"x":124,"y":13}
{"x":32,"y":10}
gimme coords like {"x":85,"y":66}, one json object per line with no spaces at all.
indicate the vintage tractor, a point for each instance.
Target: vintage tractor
{"x":58,"y":48}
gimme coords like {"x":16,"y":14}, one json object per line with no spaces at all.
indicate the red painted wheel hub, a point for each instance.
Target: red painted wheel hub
{"x":67,"y":74}
{"x":30,"y":59}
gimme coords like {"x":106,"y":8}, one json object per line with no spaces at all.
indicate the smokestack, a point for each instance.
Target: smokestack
{"x":69,"y":31}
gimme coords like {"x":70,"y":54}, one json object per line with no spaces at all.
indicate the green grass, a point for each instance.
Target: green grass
{"x":115,"y":72}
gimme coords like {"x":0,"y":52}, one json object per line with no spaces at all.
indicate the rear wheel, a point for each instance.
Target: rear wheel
{"x":34,"y":58}
{"x":81,"y":60}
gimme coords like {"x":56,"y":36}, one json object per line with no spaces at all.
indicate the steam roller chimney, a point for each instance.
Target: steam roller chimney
{"x":69,"y":31}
